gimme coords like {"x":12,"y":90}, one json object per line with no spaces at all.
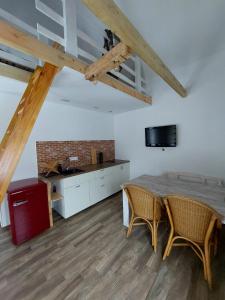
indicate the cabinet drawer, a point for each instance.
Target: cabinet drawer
{"x":75,"y":180}
{"x":103,"y":172}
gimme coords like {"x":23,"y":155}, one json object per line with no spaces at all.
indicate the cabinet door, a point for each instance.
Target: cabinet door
{"x":115,"y":180}
{"x":97,"y":190}
{"x":76,"y":198}
{"x":111,"y":183}
{"x":76,"y":180}
{"x":94,"y":193}
{"x":122,"y":175}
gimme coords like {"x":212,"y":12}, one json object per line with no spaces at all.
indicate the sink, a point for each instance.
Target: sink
{"x":64,"y":172}
{"x":70,"y":171}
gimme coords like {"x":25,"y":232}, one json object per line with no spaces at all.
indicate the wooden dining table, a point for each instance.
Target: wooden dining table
{"x":211,"y":194}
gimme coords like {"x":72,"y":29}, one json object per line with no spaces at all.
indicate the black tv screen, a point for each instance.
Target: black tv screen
{"x":161,"y":136}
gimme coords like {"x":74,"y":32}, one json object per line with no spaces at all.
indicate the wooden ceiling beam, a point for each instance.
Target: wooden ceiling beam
{"x":24,"y":42}
{"x":22,"y":123}
{"x":111,"y":60}
{"x":110,"y":14}
{"x":14,"y":72}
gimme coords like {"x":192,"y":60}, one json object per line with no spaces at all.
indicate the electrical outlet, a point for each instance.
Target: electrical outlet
{"x":73,"y":158}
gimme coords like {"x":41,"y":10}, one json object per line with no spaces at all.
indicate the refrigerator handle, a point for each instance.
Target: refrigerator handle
{"x":18,"y":203}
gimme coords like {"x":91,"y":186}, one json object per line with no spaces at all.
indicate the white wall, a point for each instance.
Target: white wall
{"x":200,"y":119}
{"x":55,"y":122}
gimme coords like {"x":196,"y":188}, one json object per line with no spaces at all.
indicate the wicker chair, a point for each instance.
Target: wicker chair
{"x":196,"y":224}
{"x":145,"y":207}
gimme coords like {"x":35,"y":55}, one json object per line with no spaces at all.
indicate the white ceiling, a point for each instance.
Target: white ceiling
{"x":181,"y":31}
{"x":70,"y":87}
{"x":184,"y":33}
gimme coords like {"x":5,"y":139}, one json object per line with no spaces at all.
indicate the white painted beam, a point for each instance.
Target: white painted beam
{"x":49,"y":12}
{"x":70,"y":27}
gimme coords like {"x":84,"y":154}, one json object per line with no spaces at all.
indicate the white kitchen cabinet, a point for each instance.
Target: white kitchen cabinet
{"x":121,"y":174}
{"x":124,"y":173}
{"x":108,"y":181}
{"x":97,"y":190}
{"x":77,"y":199}
{"x":84,"y":190}
{"x":75,"y":193}
{"x":81,"y":191}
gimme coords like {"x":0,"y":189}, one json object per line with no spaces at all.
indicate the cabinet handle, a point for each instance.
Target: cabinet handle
{"x":18,"y":203}
{"x":102,"y":185}
{"x":77,"y":186}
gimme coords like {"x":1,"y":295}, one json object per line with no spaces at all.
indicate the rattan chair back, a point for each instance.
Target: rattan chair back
{"x":190,"y":217}
{"x":145,"y":204}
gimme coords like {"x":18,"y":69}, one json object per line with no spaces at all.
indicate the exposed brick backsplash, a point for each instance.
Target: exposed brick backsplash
{"x":61,"y":150}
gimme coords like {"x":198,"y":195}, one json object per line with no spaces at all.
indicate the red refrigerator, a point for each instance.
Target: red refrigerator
{"x":28,"y":209}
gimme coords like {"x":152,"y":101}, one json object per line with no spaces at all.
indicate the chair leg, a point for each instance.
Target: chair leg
{"x":204,"y":268}
{"x":170,"y":247}
{"x":166,"y":252}
{"x":151,"y":230}
{"x":208,"y":266}
{"x":129,"y":230}
{"x":155,"y":236}
{"x":153,"y":241}
{"x":215,"y":248}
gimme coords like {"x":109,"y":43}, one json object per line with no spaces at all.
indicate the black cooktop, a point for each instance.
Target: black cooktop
{"x":64,"y":172}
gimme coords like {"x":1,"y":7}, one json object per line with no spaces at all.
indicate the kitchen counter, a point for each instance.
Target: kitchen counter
{"x":107,"y":164}
{"x":88,"y":168}
{"x":82,"y":190}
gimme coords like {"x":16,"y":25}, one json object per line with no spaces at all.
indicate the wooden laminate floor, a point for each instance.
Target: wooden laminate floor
{"x":89,"y":257}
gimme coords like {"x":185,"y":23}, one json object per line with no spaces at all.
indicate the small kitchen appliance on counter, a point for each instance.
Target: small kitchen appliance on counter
{"x":100,"y":158}
{"x":28,"y":209}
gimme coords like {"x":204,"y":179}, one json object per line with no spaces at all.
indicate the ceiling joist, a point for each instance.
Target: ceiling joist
{"x":14,"y":72}
{"x":14,"y":38}
{"x":111,"y":15}
{"x":111,"y":60}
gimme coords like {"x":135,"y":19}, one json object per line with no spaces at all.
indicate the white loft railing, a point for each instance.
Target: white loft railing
{"x":72,"y":42}
{"x":12,"y":55}
{"x":75,"y":42}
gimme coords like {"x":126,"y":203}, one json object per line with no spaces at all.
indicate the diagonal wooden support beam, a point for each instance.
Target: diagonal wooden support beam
{"x":111,"y":60}
{"x":110,"y":14}
{"x":21,"y":125}
{"x":14,"y":38}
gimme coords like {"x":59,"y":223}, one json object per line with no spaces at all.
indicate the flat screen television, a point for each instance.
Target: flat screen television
{"x":161,"y":136}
